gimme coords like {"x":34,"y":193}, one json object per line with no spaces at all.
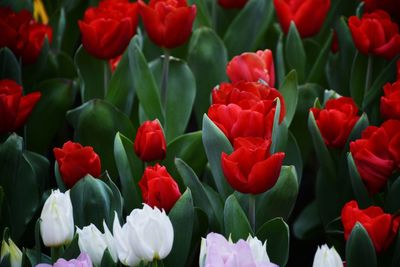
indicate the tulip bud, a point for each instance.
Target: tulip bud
{"x":56,"y":219}
{"x":94,"y":243}
{"x":327,"y":257}
{"x":258,"y":249}
{"x":13,"y":251}
{"x":150,"y":141}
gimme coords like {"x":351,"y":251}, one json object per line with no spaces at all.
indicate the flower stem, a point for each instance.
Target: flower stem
{"x":106,"y":76}
{"x":56,"y":253}
{"x":368,"y":76}
{"x":252,"y":211}
{"x":164,"y":81}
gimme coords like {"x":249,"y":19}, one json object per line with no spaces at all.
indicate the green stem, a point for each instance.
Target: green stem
{"x":252,"y":211}
{"x":106,"y":76}
{"x":164,"y":79}
{"x":56,"y":253}
{"x":368,"y":77}
{"x":214,"y":8}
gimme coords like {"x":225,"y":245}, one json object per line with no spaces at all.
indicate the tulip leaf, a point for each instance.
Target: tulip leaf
{"x":280,"y":199}
{"x":58,"y":23}
{"x":359,"y":188}
{"x":236,"y":223}
{"x":215,"y":142}
{"x":308,"y":224}
{"x":116,"y":201}
{"x":130,"y":169}
{"x":189,"y":148}
{"x":107,"y":260}
{"x":20,"y":185}
{"x":293,"y":156}
{"x":276,"y":233}
{"x":360,"y":250}
{"x":9,"y":66}
{"x":72,"y":251}
{"x":41,"y":167}
{"x":181,"y":82}
{"x":295,"y":53}
{"x":357,"y":130}
{"x":146,"y":88}
{"x":96,"y":123}
{"x":202,"y":16}
{"x":121,"y":90}
{"x":289,"y":92}
{"x":182,"y":219}
{"x":279,"y":131}
{"x":317,"y":72}
{"x":59,"y":181}
{"x":248,"y":26}
{"x":92,"y":73}
{"x":396,"y":256}
{"x":200,"y":196}
{"x":33,"y":257}
{"x":357,"y":78}
{"x":48,"y":116}
{"x":280,"y":61}
{"x":207,"y":58}
{"x":392,"y":203}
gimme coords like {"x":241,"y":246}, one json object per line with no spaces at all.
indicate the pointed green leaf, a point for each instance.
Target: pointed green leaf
{"x":359,"y":189}
{"x":289,"y":92}
{"x":9,"y":66}
{"x":360,"y":251}
{"x":236,"y":223}
{"x":295,"y":53}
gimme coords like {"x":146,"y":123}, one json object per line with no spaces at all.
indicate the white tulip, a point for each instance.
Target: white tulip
{"x":126,"y":254}
{"x":94,"y":243}
{"x":258,"y":249}
{"x":327,"y":257}
{"x":56,"y":220}
{"x":13,"y":251}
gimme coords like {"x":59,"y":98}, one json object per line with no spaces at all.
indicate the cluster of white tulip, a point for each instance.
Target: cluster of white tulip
{"x":147,"y":234}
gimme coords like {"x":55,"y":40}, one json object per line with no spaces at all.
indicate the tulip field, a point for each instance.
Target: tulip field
{"x":209,"y":133}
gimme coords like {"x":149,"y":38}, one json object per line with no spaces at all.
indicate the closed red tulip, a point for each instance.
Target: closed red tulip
{"x":76,"y":161}
{"x":390,"y":102}
{"x":308,"y":15}
{"x":228,"y":4}
{"x":14,"y":107}
{"x":251,"y":168}
{"x":382,"y":227}
{"x":252,"y":67}
{"x":10,"y":24}
{"x":336,"y":120}
{"x":375,"y":34}
{"x":159,"y":189}
{"x":107,"y":29}
{"x":150,"y":142}
{"x":168,"y":23}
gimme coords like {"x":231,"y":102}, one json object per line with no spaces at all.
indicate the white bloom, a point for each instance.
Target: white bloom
{"x":258,"y":250}
{"x":126,"y":254}
{"x":327,"y":257}
{"x":11,"y":249}
{"x":94,"y":243}
{"x":56,"y":220}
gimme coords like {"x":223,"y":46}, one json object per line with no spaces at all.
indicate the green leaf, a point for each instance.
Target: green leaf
{"x":116,"y":201}
{"x":96,"y":123}
{"x":58,"y":23}
{"x":207,"y":58}
{"x":357,"y":78}
{"x":279,"y":131}
{"x":289,"y":92}
{"x":9,"y":66}
{"x":360,"y":250}
{"x":236,"y":223}
{"x":201,"y":198}
{"x":130,"y":169}
{"x":107,"y":260}
{"x":182,"y":218}
{"x":215,"y":142}
{"x":318,"y":69}
{"x":202,"y":16}
{"x":48,"y":116}
{"x":293,"y":156}
{"x":72,"y":251}
{"x":60,"y":182}
{"x":359,"y":189}
{"x":181,"y":82}
{"x":92,"y":75}
{"x":146,"y":88}
{"x":392,"y":203}
{"x":247,"y":27}
{"x":396,"y":256}
{"x":295,"y":53}
{"x":280,"y":61}
{"x":308,"y":224}
{"x":276,"y":233}
{"x":41,"y":167}
{"x":280,"y":199}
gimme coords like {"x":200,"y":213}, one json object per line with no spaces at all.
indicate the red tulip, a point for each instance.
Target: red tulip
{"x":76,"y":161}
{"x":150,"y":141}
{"x":114,"y":62}
{"x":107,"y":29}
{"x":381,"y":227}
{"x":336,"y":120}
{"x":159,"y":189}
{"x":168,"y":23}
{"x":308,"y":15}
{"x":251,"y":168}
{"x":10,"y":24}
{"x":228,"y":4}
{"x":390,"y":102}
{"x":376,"y":34}
{"x":15,"y":108}
{"x":390,"y":6}
{"x":252,"y":67}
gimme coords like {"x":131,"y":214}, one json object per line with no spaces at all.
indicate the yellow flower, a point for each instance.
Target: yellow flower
{"x":39,"y":12}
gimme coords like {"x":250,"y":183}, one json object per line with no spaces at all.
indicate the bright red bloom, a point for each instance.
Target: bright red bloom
{"x":150,"y":142}
{"x":249,"y":95}
{"x":376,"y":34}
{"x":107,"y":29}
{"x":76,"y":161}
{"x":251,"y":168}
{"x":381,"y":227}
{"x":159,"y":189}
{"x":15,"y":108}
{"x":390,"y":102}
{"x":336,"y":120}
{"x":10,"y":24}
{"x":308,"y":15}
{"x":228,"y":4}
{"x":168,"y":23}
{"x":252,"y":67}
